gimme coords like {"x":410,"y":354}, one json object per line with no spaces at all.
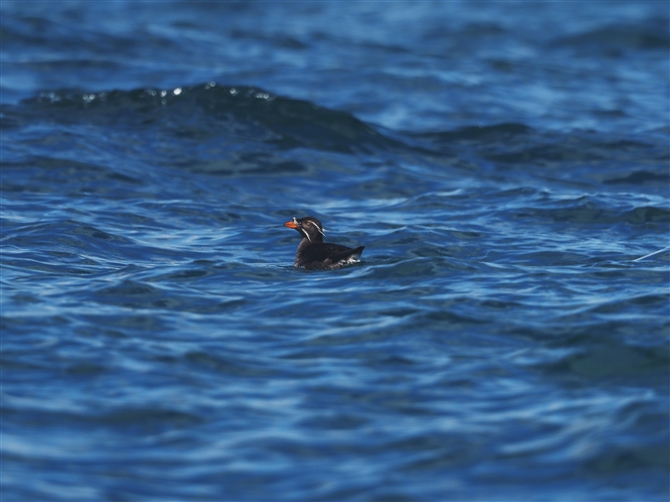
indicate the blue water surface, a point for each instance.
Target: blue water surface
{"x":505,"y":335}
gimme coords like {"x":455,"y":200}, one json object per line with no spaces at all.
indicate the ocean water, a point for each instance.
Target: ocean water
{"x":505,"y":335}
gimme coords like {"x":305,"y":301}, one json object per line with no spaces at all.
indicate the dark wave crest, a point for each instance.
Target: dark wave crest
{"x":245,"y":113}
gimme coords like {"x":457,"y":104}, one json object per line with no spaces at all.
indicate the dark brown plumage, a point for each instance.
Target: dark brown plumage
{"x":313,"y":253}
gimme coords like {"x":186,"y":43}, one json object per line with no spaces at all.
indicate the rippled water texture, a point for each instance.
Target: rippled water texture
{"x":505,"y":336}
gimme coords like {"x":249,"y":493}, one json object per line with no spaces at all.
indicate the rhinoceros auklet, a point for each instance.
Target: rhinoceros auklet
{"x":313,"y":253}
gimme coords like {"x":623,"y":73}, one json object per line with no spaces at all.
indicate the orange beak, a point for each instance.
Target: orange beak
{"x":290,"y":224}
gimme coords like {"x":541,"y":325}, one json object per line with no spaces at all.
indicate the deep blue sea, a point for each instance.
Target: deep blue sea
{"x":505,"y":336}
